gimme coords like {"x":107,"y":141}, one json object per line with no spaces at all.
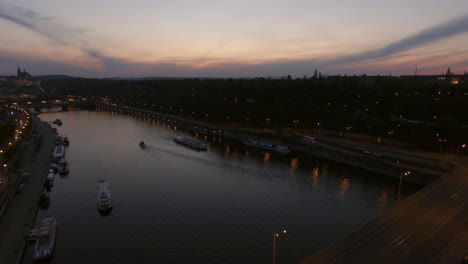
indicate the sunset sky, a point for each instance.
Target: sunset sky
{"x":220,"y":38}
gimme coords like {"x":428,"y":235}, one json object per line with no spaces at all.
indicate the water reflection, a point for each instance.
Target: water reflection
{"x":294,"y":165}
{"x":266,"y":158}
{"x":292,"y":170}
{"x":344,"y":186}
{"x":315,"y":177}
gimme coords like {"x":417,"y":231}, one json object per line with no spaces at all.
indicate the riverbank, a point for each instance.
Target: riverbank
{"x":22,"y":207}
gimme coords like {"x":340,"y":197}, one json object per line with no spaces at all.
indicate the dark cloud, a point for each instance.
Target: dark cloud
{"x":439,"y":32}
{"x":44,"y":26}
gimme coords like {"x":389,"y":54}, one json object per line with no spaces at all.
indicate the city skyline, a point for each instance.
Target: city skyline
{"x":226,"y":39}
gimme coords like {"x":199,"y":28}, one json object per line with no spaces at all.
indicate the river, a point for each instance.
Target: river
{"x":176,"y":205}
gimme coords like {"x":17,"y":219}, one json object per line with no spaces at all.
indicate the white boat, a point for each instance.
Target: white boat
{"x":104,"y":202}
{"x":267,"y":146}
{"x":46,"y":238}
{"x":191,"y":143}
{"x":51,"y":177}
{"x":63,"y":166}
{"x":59,"y":152}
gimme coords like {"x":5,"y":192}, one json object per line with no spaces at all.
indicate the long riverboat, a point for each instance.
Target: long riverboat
{"x":267,"y":146}
{"x":46,"y":238}
{"x":191,"y":143}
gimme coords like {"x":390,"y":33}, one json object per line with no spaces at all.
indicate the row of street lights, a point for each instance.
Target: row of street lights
{"x":18,"y":132}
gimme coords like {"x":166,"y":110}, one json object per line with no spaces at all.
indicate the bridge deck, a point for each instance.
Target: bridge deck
{"x":429,"y":227}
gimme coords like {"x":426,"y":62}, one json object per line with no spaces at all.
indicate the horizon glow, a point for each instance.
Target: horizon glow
{"x":232,"y":39}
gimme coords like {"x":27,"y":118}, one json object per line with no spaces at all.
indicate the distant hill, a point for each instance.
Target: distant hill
{"x":55,"y":77}
{"x":159,"y":78}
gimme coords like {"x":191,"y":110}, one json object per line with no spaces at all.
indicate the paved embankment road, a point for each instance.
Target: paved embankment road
{"x":429,"y":227}
{"x":20,"y":215}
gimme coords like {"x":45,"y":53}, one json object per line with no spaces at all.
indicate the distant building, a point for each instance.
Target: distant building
{"x":444,"y":79}
{"x":22,"y":75}
{"x":19,"y":87}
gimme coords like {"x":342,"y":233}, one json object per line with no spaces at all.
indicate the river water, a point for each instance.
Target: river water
{"x":176,"y":205}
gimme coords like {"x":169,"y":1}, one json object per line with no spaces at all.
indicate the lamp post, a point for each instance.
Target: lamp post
{"x":348,"y":128}
{"x":267,"y":121}
{"x":275,"y":235}
{"x":390,"y":133}
{"x":458,"y":151}
{"x":295,"y":122}
{"x":406,"y":173}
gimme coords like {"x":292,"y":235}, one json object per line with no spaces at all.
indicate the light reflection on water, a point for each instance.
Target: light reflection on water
{"x":176,"y":205}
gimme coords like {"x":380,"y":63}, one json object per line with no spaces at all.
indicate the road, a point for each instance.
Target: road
{"x":429,"y":227}
{"x":21,"y":213}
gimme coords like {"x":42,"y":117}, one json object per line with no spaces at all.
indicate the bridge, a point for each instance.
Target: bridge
{"x":172,"y":120}
{"x":430,"y":226}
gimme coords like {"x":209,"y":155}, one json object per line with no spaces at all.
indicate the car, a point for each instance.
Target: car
{"x":20,"y":187}
{"x":25,"y":175}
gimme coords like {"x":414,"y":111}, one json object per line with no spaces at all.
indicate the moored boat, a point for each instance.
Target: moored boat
{"x":65,"y":141}
{"x":32,"y":235}
{"x":54,"y":167}
{"x":51,"y":177}
{"x":59,"y":152}
{"x":267,"y":146}
{"x":191,"y":143}
{"x":104,"y":202}
{"x":44,"y":200}
{"x":46,"y":238}
{"x":57,"y":122}
{"x":63,"y":166}
{"x":58,"y":140}
{"x":142,"y":144}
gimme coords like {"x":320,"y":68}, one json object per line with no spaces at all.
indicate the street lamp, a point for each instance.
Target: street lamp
{"x":406,"y":173}
{"x":348,"y":128}
{"x":458,"y":151}
{"x":295,"y":122}
{"x":390,"y":133}
{"x":275,"y":235}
